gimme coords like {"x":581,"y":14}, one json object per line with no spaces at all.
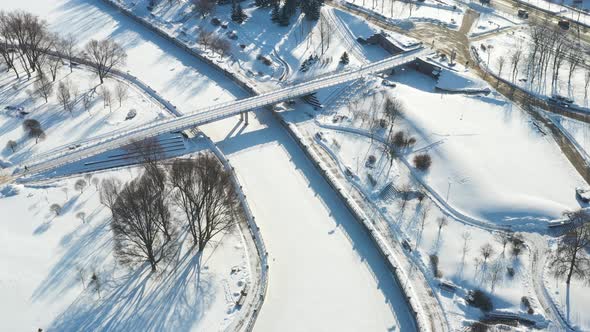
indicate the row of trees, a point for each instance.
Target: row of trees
{"x":143,"y":226}
{"x":27,"y":43}
{"x":550,"y":52}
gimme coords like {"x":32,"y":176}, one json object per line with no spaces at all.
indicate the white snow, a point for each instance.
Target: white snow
{"x":49,"y":259}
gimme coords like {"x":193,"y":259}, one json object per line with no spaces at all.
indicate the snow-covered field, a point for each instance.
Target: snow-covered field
{"x":49,"y":261}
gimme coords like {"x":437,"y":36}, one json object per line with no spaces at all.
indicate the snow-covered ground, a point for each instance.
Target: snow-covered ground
{"x":49,"y":261}
{"x":572,"y":302}
{"x":580,"y":131}
{"x":504,"y":45}
{"x":427,"y":11}
{"x":490,"y":20}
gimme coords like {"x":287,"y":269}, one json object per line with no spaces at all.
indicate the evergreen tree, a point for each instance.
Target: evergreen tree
{"x":275,"y":14}
{"x":284,"y":17}
{"x":290,"y":7}
{"x":344,"y":58}
{"x":262,"y":3}
{"x":311,"y":8}
{"x":237,"y":14}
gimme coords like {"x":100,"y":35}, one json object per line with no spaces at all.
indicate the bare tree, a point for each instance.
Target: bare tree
{"x":106,"y":96}
{"x":96,"y":281}
{"x":87,"y":101}
{"x":95,"y":182}
{"x":496,"y":274}
{"x":136,"y":224}
{"x":204,"y":192}
{"x":514,"y":62}
{"x":104,"y":55}
{"x":575,"y":59}
{"x":586,"y":83}
{"x":423,"y":217}
{"x":570,"y":259}
{"x":11,"y":145}
{"x":501,"y":62}
{"x":486,"y":251}
{"x":80,"y":185}
{"x":205,"y":38}
{"x":66,"y":95}
{"x":503,"y":238}
{"x":393,"y":109}
{"x":109,"y":191}
{"x":441,"y":222}
{"x":8,"y":53}
{"x":326,"y":31}
{"x":53,"y":64}
{"x":204,"y":7}
{"x":82,"y":216}
{"x":43,"y":87}
{"x":466,"y":236}
{"x":122,"y":92}
{"x":31,"y":38}
{"x":67,"y":49}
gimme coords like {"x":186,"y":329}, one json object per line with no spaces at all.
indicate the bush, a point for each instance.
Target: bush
{"x":481,"y":300}
{"x":55,"y":208}
{"x":422,"y":161}
{"x":510,"y":272}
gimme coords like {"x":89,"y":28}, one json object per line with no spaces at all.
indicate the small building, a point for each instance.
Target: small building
{"x":384,"y":40}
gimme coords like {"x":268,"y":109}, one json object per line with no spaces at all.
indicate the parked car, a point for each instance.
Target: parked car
{"x":563,"y":99}
{"x":233,"y":35}
{"x":583,"y":194}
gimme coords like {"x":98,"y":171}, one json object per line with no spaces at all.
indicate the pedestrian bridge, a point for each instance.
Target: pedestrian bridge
{"x":65,"y":154}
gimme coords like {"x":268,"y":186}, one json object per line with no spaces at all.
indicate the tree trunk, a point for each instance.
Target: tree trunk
{"x":571,"y":272}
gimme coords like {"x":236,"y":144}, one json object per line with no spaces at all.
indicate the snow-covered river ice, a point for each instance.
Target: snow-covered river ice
{"x":325,"y":274}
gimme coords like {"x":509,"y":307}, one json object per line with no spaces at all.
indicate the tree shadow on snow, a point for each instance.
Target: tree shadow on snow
{"x":141,"y":302}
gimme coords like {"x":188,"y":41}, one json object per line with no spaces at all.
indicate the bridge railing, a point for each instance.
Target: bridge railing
{"x":64,"y":155}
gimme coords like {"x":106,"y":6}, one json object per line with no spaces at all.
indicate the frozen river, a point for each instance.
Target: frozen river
{"x":325,"y":274}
